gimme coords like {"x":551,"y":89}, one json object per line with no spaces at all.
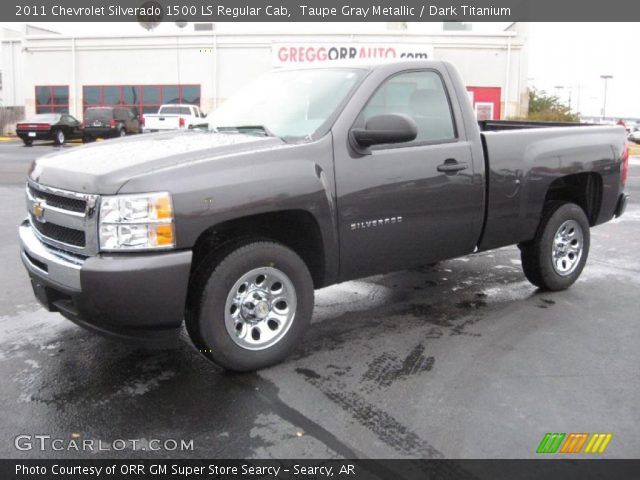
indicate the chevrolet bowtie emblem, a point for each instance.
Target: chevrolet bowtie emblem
{"x":38,"y":209}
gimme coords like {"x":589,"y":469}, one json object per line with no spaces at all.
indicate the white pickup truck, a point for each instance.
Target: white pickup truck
{"x":173,"y":117}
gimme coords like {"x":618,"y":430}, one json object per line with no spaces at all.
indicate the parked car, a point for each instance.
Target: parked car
{"x":58,"y":127}
{"x":173,"y":117}
{"x":634,"y":135}
{"x":311,"y":177}
{"x":109,"y":122}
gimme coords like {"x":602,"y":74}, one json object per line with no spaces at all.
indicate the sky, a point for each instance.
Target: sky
{"x":572,"y":56}
{"x":575,"y":55}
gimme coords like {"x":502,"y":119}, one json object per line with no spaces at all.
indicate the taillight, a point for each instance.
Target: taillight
{"x":181,"y":122}
{"x":33,"y":126}
{"x":625,"y":163}
{"x":112,"y":123}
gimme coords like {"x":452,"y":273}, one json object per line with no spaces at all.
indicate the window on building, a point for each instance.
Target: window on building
{"x":91,"y":96}
{"x":170,"y":94}
{"x":111,"y":95}
{"x":140,"y":98}
{"x":191,"y":94}
{"x":52,"y":98}
{"x":151,"y":98}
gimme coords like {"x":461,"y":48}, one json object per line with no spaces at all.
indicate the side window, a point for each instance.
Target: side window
{"x":422,"y":96}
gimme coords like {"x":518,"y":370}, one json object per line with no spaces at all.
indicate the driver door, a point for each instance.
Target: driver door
{"x":400,"y":206}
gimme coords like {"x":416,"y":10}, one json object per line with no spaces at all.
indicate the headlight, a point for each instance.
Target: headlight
{"x":136,"y":222}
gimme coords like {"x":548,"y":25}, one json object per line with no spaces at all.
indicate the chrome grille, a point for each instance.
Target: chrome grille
{"x":63,"y":219}
{"x":66,"y":203}
{"x":59,"y":233}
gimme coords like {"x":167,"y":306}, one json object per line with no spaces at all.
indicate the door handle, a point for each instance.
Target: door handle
{"x":451,"y":165}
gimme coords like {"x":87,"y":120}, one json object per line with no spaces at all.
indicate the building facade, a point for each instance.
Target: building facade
{"x":60,"y":73}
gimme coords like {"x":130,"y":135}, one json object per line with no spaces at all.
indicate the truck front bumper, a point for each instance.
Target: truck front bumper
{"x":138,"y":297}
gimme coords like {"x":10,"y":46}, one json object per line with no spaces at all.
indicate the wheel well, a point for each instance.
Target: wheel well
{"x":297,"y":229}
{"x":583,"y":189}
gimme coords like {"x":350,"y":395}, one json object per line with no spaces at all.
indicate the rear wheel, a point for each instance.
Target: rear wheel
{"x":250,"y":309}
{"x":58,"y":137}
{"x":556,"y":257}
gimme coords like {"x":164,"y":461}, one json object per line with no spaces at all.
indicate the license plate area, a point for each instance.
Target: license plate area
{"x":32,"y":134}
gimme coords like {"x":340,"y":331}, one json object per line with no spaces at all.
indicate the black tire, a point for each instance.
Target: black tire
{"x":537,"y":255}
{"x":58,"y":137}
{"x":212,"y":284}
{"x":27,"y":142}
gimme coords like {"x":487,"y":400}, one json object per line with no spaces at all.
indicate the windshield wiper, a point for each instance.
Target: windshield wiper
{"x":247,"y":129}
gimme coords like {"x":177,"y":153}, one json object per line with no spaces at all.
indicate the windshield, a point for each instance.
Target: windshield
{"x":44,"y":118}
{"x":98,"y":114}
{"x":289,"y":104}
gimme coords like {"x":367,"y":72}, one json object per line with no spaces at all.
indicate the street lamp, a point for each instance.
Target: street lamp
{"x":606,"y":78}
{"x":559,"y":89}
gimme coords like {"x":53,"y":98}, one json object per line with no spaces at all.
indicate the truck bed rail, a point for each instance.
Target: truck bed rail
{"x":497,"y":125}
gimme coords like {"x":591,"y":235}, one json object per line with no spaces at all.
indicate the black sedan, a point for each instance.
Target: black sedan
{"x":58,"y":127}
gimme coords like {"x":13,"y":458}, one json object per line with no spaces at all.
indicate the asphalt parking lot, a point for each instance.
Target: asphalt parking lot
{"x":464,"y":359}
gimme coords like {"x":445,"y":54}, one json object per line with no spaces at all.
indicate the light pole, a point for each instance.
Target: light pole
{"x":606,"y":78}
{"x":559,"y":89}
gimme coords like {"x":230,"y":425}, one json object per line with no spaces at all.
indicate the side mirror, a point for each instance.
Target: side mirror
{"x":386,"y":128}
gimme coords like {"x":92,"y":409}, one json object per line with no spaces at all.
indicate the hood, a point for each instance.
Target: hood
{"x":103,"y":167}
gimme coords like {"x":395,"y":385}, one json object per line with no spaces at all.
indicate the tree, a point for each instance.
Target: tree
{"x":548,"y":108}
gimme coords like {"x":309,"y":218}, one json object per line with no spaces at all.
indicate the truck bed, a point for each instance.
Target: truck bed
{"x":523,"y":159}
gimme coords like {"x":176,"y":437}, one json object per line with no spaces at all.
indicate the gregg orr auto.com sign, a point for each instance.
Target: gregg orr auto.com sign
{"x":291,"y":54}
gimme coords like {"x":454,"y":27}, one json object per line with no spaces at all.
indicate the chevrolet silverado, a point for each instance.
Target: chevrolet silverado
{"x":306,"y":178}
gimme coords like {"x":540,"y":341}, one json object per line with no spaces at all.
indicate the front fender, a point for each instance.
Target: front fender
{"x":209,"y":192}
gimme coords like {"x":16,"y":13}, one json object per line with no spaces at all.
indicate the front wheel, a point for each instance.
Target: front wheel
{"x":554,"y":259}
{"x":58,"y":137}
{"x":250,"y":308}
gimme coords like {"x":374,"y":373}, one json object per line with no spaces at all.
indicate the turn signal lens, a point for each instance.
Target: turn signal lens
{"x":163,"y":208}
{"x":164,"y":235}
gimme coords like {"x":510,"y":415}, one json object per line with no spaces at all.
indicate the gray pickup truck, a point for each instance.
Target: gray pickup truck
{"x":304,"y":179}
